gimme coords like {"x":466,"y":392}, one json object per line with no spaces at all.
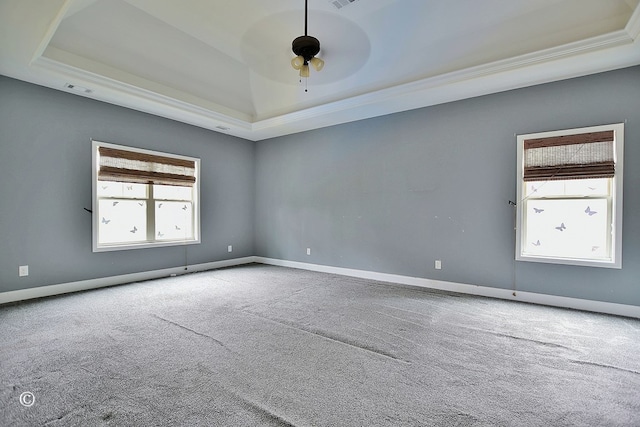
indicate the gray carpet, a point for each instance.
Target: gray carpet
{"x":268,"y":346}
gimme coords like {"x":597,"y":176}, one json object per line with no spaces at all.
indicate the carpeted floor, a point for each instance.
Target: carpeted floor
{"x":269,"y":346}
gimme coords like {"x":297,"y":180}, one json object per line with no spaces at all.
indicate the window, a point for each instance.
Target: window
{"x":570,"y":196}
{"x":143,"y":198}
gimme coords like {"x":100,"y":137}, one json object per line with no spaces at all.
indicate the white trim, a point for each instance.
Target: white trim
{"x":583,"y":57}
{"x":605,"y":41}
{"x":486,"y":291}
{"x":633,"y":25}
{"x":93,"y":79}
{"x":97,"y":247}
{"x":53,"y":26}
{"x":83,"y":285}
{"x":616,"y":248}
{"x":208,"y":115}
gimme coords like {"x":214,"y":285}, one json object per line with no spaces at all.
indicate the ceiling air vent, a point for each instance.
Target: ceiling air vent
{"x":339,"y":4}
{"x":77,"y":88}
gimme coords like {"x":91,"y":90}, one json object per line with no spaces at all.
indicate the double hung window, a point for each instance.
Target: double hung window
{"x":143,"y":198}
{"x":570,"y":196}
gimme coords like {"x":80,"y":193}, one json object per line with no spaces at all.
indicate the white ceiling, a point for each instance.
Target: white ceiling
{"x":225,"y":64}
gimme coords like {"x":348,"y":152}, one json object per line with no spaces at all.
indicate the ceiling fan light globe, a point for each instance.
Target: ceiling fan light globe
{"x":318,"y":64}
{"x":297,"y":62}
{"x":304,"y":71}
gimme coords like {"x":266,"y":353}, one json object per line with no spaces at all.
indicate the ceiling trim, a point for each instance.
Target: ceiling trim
{"x":633,"y":26}
{"x":120,"y":93}
{"x":493,"y":77}
{"x":48,"y":35}
{"x":599,"y":43}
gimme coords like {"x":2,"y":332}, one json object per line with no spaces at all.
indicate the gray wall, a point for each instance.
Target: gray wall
{"x":394,"y":193}
{"x":45,"y":182}
{"x":389,"y":194}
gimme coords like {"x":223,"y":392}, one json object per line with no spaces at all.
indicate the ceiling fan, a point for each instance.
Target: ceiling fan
{"x":306,"y":48}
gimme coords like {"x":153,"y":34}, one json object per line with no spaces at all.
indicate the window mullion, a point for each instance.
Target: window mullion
{"x":151,"y":217}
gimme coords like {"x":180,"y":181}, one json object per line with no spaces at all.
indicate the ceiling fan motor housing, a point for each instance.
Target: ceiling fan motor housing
{"x":306,"y":46}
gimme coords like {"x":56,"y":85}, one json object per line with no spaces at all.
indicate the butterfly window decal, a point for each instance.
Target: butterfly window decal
{"x":184,"y":208}
{"x":562,"y":227}
{"x":134,"y":229}
{"x":160,"y":234}
{"x":105,"y":221}
{"x":589,"y":212}
{"x":537,"y":243}
{"x":536,"y":210}
{"x":115,"y":203}
{"x":177,"y":228}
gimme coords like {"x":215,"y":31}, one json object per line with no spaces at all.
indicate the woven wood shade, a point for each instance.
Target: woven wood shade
{"x":579,"y":156}
{"x":131,"y":166}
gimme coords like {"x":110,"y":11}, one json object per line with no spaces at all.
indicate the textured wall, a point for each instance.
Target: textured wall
{"x":45,"y":182}
{"x":394,"y":193}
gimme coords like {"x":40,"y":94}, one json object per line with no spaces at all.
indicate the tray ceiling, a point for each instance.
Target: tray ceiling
{"x":225,"y":64}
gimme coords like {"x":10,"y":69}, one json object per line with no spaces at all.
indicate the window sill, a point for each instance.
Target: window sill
{"x":144,"y":245}
{"x":605,"y":263}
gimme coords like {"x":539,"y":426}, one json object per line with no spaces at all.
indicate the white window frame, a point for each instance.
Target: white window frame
{"x":615,"y":261}
{"x":96,"y":217}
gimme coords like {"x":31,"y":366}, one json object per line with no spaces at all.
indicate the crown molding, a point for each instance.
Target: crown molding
{"x":633,"y":25}
{"x":426,"y":87}
{"x":51,"y":29}
{"x":558,"y":63}
{"x":128,"y":95}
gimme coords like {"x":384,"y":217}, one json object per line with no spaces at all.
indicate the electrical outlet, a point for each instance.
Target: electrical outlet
{"x":229,"y":248}
{"x":308,"y":251}
{"x":23,"y":270}
{"x":438,"y":264}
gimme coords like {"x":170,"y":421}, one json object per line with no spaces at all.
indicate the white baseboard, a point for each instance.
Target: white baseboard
{"x":507,"y":294}
{"x":83,"y":285}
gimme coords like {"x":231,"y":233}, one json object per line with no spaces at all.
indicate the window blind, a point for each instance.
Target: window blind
{"x":130,"y":166}
{"x":579,"y":156}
